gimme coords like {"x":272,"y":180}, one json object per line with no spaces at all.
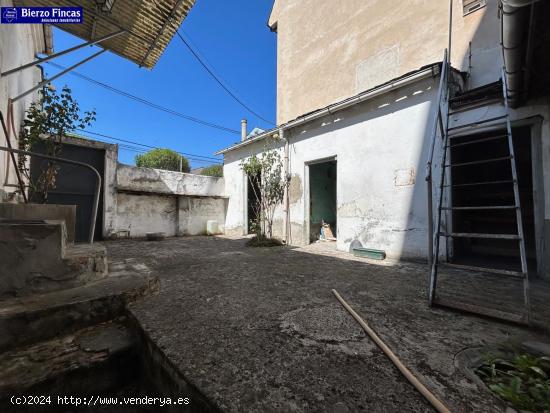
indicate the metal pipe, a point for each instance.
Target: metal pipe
{"x":437,"y":123}
{"x":450,"y":29}
{"x":64,"y":52}
{"x":512,"y":28}
{"x":63,"y":160}
{"x":286,"y":168}
{"x":244,"y":124}
{"x":45,"y":82}
{"x":14,"y":161}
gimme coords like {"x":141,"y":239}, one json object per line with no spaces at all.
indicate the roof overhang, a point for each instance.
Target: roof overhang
{"x":424,"y":72}
{"x":148,"y":28}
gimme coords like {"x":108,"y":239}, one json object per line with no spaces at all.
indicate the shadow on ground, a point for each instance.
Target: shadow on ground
{"x":258,"y":329}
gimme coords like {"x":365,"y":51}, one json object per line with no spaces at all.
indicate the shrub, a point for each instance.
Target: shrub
{"x":213,"y":170}
{"x":163,"y":159}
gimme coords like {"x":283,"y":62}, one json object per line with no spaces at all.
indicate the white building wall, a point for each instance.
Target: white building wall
{"x":380,"y":148}
{"x":18,"y":45}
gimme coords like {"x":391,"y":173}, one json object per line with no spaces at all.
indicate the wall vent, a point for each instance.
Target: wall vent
{"x":469,"y":6}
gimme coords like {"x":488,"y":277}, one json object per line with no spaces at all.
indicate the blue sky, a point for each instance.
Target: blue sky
{"x":237,"y":44}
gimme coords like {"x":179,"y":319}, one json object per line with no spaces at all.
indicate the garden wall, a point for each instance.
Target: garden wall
{"x":178,"y":204}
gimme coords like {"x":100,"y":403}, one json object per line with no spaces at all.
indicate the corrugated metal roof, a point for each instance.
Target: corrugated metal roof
{"x":149,"y":28}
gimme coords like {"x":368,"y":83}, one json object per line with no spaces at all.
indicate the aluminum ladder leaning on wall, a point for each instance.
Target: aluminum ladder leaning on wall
{"x":441,"y":124}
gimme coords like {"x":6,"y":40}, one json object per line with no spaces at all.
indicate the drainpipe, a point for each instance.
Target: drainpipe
{"x":514,"y":21}
{"x":286,"y":168}
{"x":243,"y":130}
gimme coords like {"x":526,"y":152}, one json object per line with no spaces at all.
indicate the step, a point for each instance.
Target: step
{"x":481,"y":310}
{"x":502,"y":158}
{"x":42,"y":212}
{"x":508,"y":273}
{"x":480,"y":183}
{"x":39,"y":259}
{"x":88,"y":262}
{"x":478,"y":96}
{"x":479,"y":208}
{"x":473,"y":142}
{"x":92,"y":360}
{"x":477,"y":123}
{"x":478,"y":235}
{"x":29,"y":319}
{"x":30,"y":250}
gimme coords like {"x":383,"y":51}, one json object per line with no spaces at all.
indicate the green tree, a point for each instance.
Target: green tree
{"x":48,"y":120}
{"x":213,"y":170}
{"x":265,"y":173}
{"x":163,"y":159}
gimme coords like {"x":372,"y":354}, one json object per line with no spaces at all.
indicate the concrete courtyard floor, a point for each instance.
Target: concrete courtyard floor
{"x":258,"y":329}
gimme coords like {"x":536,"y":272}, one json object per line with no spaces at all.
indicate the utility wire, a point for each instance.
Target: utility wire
{"x":211,"y":72}
{"x":147,"y":102}
{"x":191,"y":155}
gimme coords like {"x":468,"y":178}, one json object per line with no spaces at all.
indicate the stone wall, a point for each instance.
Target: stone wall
{"x":178,"y":204}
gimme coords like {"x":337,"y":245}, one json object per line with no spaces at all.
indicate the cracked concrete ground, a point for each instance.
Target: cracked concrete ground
{"x":258,"y":329}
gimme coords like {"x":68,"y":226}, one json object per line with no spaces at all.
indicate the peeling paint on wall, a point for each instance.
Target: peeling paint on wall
{"x":295,"y":189}
{"x":404,"y":177}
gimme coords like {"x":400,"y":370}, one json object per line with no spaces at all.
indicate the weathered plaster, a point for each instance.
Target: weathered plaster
{"x":167,"y":182}
{"x":153,"y":200}
{"x":367,"y":43}
{"x":18,"y":45}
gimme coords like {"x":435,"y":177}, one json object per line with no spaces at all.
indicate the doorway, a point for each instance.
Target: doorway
{"x":75,"y":185}
{"x":499,"y":190}
{"x":322,"y":201}
{"x":253,"y":203}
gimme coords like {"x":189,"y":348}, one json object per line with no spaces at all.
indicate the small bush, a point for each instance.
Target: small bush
{"x":264,"y":242}
{"x":523,"y":381}
{"x":213,"y":170}
{"x":163,"y":159}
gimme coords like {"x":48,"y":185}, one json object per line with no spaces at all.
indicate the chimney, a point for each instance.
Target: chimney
{"x":243,"y":130}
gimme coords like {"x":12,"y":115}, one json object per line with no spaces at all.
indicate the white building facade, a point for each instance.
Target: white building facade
{"x":359,"y":163}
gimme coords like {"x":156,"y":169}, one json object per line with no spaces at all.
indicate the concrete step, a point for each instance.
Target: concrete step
{"x":30,"y":251}
{"x":41,"y":212}
{"x":29,"y":319}
{"x":39,"y":259}
{"x":90,"y":361}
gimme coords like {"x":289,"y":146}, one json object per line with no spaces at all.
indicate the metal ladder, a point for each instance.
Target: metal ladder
{"x":436,"y":233}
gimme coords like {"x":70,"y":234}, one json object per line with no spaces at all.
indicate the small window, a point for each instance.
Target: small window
{"x":469,"y":6}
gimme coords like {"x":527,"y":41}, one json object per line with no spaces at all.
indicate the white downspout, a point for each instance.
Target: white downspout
{"x":286,"y":169}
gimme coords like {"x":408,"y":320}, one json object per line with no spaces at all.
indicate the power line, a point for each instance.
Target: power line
{"x":186,"y":154}
{"x":147,"y":102}
{"x":214,"y":76}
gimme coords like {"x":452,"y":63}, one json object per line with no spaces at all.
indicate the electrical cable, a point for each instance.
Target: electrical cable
{"x":209,"y":158}
{"x":211,"y":72}
{"x":147,"y":102}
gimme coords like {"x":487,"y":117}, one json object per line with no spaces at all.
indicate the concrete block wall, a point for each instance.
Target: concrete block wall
{"x":178,"y":204}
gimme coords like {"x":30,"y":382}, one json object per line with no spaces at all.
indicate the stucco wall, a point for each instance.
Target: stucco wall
{"x":167,"y":182}
{"x":380,"y":151}
{"x":152,"y":200}
{"x":328,"y":51}
{"x":18,"y":45}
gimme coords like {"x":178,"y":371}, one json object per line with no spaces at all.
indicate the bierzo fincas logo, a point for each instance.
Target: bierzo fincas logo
{"x":41,"y":15}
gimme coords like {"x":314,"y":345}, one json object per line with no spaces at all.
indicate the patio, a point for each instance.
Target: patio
{"x":258,"y":329}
